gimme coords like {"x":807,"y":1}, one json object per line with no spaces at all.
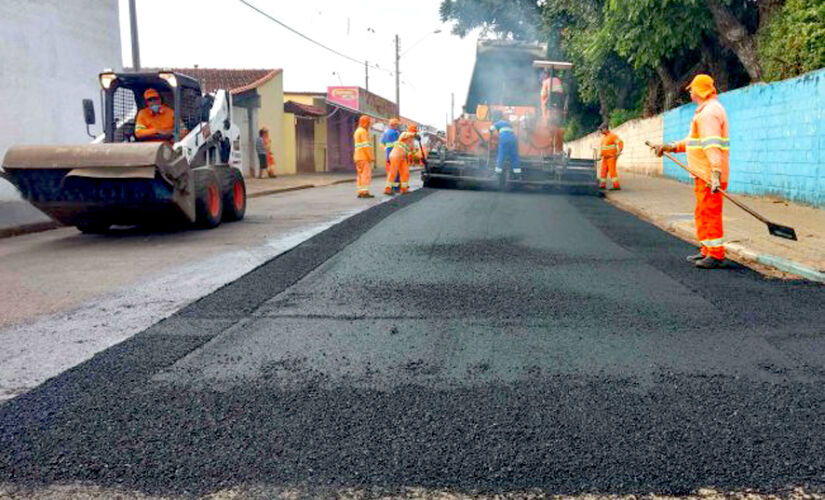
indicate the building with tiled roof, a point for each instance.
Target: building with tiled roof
{"x":235,"y":80}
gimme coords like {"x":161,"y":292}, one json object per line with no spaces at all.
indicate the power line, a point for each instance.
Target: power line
{"x":305,"y":37}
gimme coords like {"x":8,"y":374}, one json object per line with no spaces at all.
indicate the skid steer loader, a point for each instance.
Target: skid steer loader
{"x":190,"y":177}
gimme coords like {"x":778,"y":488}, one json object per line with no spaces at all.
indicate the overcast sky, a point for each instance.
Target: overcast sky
{"x":228,"y":34}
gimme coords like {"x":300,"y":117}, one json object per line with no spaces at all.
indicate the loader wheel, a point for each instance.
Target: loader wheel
{"x":234,"y":199}
{"x":94,"y":228}
{"x":208,"y":200}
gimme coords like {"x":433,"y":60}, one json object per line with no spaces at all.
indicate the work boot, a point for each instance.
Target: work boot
{"x":404,"y":190}
{"x":388,"y":191}
{"x":602,"y":186}
{"x":710,"y":263}
{"x":695,"y":258}
{"x":617,"y":187}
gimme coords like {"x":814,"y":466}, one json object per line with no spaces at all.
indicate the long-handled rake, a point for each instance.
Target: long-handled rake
{"x":774,"y":229}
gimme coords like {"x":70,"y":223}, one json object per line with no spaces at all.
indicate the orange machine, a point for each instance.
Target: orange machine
{"x":509,"y":77}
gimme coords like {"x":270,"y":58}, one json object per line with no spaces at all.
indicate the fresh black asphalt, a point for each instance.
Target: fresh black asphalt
{"x":472,"y":341}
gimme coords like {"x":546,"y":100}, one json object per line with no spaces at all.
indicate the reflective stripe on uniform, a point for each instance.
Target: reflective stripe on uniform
{"x":718,"y":242}
{"x":359,"y":145}
{"x":140,"y":126}
{"x":611,"y":146}
{"x":708,"y":142}
{"x":504,"y":129}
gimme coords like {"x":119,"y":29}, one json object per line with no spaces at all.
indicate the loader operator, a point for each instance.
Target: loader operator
{"x":611,"y":147}
{"x":155,"y":122}
{"x":389,"y":140}
{"x":550,"y":86}
{"x":707,"y":148}
{"x":399,"y":163}
{"x":507,"y":143}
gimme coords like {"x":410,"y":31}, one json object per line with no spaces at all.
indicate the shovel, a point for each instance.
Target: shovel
{"x":774,"y":229}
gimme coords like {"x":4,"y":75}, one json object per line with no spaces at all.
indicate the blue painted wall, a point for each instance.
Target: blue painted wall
{"x":777,"y":138}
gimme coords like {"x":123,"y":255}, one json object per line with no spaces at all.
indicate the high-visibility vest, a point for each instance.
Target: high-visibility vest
{"x":363,"y":146}
{"x":708,"y":130}
{"x":611,"y":145}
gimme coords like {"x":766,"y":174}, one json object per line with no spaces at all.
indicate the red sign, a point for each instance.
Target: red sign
{"x":345,"y":96}
{"x":363,"y":101}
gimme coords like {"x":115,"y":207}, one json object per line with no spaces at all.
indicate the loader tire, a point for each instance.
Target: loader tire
{"x":208,"y":199}
{"x":234,"y":198}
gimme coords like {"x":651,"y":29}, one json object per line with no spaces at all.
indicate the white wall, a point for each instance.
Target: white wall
{"x":51,"y":52}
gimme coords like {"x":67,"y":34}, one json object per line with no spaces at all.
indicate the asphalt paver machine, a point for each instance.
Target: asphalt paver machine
{"x":507,"y":78}
{"x":192,"y":176}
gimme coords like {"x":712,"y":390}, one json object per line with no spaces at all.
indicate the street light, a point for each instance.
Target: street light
{"x":398,"y":56}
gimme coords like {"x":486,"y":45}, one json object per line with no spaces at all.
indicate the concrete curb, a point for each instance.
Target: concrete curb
{"x":37,"y":227}
{"x":738,"y":252}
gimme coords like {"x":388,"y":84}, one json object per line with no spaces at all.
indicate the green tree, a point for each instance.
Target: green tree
{"x":793,"y":42}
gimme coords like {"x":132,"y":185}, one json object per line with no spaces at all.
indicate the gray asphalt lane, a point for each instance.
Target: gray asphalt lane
{"x":472,"y":341}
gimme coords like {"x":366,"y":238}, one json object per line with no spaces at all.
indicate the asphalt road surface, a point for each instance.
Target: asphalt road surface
{"x":465,"y":341}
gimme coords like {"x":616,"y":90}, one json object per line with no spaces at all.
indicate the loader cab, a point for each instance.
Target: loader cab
{"x":122,"y":96}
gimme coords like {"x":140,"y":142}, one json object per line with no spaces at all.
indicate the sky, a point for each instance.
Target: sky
{"x":228,"y":34}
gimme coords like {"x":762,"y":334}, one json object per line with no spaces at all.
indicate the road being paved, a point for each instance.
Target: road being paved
{"x":464,"y":341}
{"x":66,"y":295}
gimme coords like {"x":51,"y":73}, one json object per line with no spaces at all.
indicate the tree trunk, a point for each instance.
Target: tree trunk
{"x":604,"y":106}
{"x":670,"y":89}
{"x":651,"y":104}
{"x":734,"y":35}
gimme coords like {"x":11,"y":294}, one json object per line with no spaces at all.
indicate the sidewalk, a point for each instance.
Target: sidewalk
{"x":669,"y":204}
{"x":283,"y":183}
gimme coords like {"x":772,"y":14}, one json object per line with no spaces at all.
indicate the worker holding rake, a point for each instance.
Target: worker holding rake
{"x":707,"y":148}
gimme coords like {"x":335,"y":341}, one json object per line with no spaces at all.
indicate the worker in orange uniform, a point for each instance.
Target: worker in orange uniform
{"x":399,"y":163}
{"x":612,"y":147}
{"x":708,"y":155}
{"x":363,"y":157}
{"x":549,"y":85}
{"x":156,"y":121}
{"x":418,"y":152}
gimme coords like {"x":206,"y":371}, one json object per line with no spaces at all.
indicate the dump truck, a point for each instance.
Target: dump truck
{"x":191,"y":176}
{"x":507,"y":78}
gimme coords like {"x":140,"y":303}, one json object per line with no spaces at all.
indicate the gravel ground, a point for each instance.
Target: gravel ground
{"x":451,"y":345}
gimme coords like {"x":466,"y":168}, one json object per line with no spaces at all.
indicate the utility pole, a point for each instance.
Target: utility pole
{"x":452,"y":106}
{"x":366,"y":75}
{"x":134,"y":32}
{"x":397,"y":75}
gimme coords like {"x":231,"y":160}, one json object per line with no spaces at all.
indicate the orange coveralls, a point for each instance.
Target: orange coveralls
{"x":363,"y":157}
{"x":708,"y":149}
{"x":612,"y":145}
{"x":399,"y":163}
{"x":148,"y":124}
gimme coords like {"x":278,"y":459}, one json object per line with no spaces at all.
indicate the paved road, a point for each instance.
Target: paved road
{"x":458,"y":340}
{"x":66,"y":295}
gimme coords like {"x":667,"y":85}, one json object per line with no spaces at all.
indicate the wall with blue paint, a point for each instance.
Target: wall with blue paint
{"x":777,"y":138}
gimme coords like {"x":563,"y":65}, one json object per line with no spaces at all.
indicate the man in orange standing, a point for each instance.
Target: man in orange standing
{"x":363,"y":157}
{"x":612,"y":147}
{"x":399,"y":163}
{"x":708,"y":154}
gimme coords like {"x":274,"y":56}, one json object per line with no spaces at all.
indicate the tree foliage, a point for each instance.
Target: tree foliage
{"x":793,"y":42}
{"x":634,"y":57}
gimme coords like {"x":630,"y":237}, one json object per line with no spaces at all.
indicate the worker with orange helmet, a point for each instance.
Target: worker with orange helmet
{"x":389,"y":140}
{"x":418,"y":152}
{"x":363,"y":157}
{"x":611,"y":147}
{"x":156,"y":121}
{"x":708,"y":155}
{"x":399,"y":163}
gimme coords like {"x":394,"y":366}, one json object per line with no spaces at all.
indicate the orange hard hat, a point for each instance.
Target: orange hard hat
{"x":364,"y":121}
{"x":150,"y":93}
{"x":394,"y":122}
{"x":412,"y":128}
{"x":702,"y":85}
